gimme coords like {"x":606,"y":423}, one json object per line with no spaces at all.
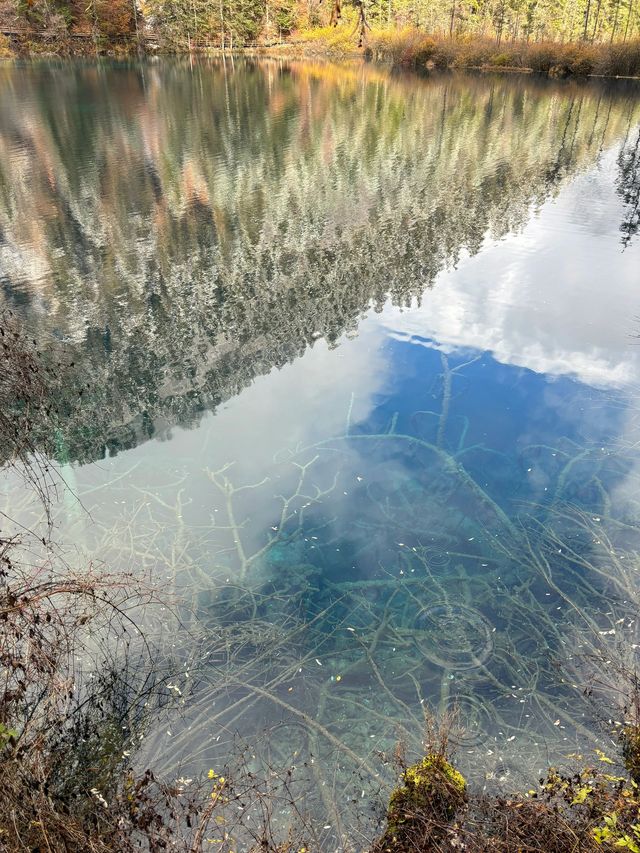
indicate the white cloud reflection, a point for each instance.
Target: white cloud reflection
{"x":560,"y":298}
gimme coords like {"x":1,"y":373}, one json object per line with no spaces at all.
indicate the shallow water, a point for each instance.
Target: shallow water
{"x":364,"y":395}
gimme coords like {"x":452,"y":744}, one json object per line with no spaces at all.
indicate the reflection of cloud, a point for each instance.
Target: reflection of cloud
{"x":293,"y":407}
{"x":303,"y":402}
{"x":559,"y":298}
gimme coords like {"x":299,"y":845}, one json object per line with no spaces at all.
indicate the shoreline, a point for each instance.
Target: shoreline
{"x":301,"y":51}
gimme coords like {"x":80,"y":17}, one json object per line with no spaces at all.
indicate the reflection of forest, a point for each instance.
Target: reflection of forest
{"x":188,"y":228}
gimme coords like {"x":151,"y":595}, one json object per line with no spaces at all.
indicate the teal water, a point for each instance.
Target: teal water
{"x":363,"y":400}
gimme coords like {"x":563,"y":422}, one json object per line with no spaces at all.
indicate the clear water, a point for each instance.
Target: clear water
{"x":365,"y":375}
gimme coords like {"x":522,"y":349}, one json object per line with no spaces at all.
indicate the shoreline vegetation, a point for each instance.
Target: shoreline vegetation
{"x":407,"y":48}
{"x":563,"y":38}
{"x":412,"y":49}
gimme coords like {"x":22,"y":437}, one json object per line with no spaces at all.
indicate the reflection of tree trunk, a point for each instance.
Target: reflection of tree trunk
{"x":443,"y":118}
{"x":556,"y":168}
{"x":595,"y":121}
{"x":577,"y":127}
{"x":628,"y":188}
{"x":604,"y":129}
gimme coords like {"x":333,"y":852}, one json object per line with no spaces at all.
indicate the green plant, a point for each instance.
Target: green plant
{"x":610,"y":833}
{"x":501,"y":59}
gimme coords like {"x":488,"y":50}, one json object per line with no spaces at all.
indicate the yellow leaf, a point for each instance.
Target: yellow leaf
{"x":581,"y":796}
{"x":603,"y":757}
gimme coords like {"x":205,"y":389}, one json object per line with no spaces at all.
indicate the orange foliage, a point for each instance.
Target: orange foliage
{"x":115,"y":18}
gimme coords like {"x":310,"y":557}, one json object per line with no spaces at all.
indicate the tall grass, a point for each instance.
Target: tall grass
{"x":416,"y":49}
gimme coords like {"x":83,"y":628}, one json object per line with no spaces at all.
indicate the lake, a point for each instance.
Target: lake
{"x":364,"y":363}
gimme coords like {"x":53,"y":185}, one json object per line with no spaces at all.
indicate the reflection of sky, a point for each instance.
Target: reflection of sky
{"x":560,"y":298}
{"x":550,"y":310}
{"x":543,"y":317}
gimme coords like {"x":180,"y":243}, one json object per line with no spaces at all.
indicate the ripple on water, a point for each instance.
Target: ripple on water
{"x":454,"y":636}
{"x":473,"y":720}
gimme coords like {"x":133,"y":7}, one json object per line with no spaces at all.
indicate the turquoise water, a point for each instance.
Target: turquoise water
{"x":363,"y":399}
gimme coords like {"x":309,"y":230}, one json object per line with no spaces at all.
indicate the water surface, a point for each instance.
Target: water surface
{"x":364,"y":395}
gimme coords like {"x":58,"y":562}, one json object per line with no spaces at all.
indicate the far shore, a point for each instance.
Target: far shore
{"x":406,"y":49}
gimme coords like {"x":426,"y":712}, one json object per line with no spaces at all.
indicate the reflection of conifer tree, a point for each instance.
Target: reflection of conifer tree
{"x":628,"y":187}
{"x":261,"y":202}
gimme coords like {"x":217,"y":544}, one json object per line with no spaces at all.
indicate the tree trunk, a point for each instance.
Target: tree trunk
{"x":586,"y":20}
{"x":595,"y":26}
{"x":134,"y":3}
{"x":615,"y":22}
{"x":626,"y":29}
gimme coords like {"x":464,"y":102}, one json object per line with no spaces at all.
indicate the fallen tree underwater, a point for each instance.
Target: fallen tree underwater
{"x":82,"y":686}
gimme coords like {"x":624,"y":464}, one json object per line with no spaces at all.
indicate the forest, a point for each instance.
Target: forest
{"x":228,"y":24}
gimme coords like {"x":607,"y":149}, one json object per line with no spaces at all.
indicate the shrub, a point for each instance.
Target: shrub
{"x":580,"y":60}
{"x":619,"y":60}
{"x":541,"y":57}
{"x":474,"y":54}
{"x":444,"y":56}
{"x":5,"y":47}
{"x":581,"y":66}
{"x":502,"y":59}
{"x":419,"y":52}
{"x":339,"y":41}
{"x":410,"y":47}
